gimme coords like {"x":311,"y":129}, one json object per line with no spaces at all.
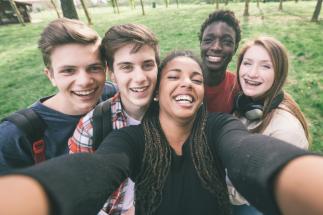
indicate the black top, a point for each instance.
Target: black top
{"x":251,"y":160}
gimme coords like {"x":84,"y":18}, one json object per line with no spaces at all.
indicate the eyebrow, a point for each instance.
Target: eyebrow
{"x":179,"y":70}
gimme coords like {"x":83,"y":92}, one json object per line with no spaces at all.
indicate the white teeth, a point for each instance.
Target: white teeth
{"x":184,"y":99}
{"x":138,"y":89}
{"x":84,"y":92}
{"x":214,"y":58}
{"x":254,"y":83}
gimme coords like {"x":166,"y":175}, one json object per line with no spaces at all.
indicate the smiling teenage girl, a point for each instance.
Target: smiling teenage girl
{"x":263,"y":106}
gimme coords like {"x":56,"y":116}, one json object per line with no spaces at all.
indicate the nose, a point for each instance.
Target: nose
{"x":253,"y":72}
{"x":84,"y":78}
{"x":186,"y":82}
{"x":139,"y":75}
{"x":216,"y":45}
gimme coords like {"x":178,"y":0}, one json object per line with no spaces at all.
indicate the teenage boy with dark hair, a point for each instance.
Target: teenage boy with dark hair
{"x":219,"y":37}
{"x":132,"y":55}
{"x":74,"y":65}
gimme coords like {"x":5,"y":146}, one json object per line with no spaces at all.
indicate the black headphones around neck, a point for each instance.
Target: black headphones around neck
{"x":251,"y":109}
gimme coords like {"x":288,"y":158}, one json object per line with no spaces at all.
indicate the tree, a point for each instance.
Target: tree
{"x":55,"y":8}
{"x":217,"y":4}
{"x":132,"y":4}
{"x":142,"y":7}
{"x":177,"y":3}
{"x":246,"y":8}
{"x":86,"y":12}
{"x":68,"y":9}
{"x":19,"y":17}
{"x":280,"y":5}
{"x":315,"y":17}
{"x":166,"y":3}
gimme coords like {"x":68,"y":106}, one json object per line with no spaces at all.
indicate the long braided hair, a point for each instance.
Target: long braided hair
{"x":157,"y":157}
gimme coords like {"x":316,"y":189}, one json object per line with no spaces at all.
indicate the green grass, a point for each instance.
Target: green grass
{"x":22,"y":80}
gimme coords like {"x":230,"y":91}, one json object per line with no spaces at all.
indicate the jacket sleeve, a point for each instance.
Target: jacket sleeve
{"x":15,"y":148}
{"x":252,"y":160}
{"x":81,"y":183}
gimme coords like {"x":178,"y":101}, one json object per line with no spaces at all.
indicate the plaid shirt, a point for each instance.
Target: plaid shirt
{"x":82,"y":141}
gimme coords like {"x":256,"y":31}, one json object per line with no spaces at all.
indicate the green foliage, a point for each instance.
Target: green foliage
{"x":22,"y":80}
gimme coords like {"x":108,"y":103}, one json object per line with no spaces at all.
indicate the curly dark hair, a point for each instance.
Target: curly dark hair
{"x":226,"y":16}
{"x":157,"y":157}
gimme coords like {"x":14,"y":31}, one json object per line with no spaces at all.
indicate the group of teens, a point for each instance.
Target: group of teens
{"x":180,"y":160}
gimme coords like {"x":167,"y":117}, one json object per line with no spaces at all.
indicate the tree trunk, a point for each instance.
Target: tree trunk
{"x":226,"y":2}
{"x":246,"y":8}
{"x":315,"y":17}
{"x":55,"y":8}
{"x":68,"y":9}
{"x":113,"y":6}
{"x":132,"y":4}
{"x":19,"y":17}
{"x":217,"y":4}
{"x":280,"y":5}
{"x":166,"y":3}
{"x":117,"y":5}
{"x":142,"y":7}
{"x":177,"y":3}
{"x":89,"y":21}
{"x":257,"y":3}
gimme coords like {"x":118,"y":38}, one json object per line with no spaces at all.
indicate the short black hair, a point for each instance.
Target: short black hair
{"x":226,"y":16}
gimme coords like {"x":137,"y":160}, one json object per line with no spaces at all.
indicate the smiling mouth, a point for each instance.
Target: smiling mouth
{"x":84,"y":92}
{"x":214,"y":59}
{"x":184,"y":99}
{"x":139,"y":89}
{"x":252,"y":83}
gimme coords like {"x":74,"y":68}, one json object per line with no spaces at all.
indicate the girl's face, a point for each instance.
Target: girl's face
{"x":181,"y":89}
{"x":256,"y":72}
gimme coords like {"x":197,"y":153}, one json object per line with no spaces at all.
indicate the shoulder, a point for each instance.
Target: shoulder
{"x":285,"y":126}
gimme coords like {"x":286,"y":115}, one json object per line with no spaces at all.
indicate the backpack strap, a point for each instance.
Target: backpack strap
{"x":102,"y":122}
{"x":109,"y":90}
{"x":33,"y":126}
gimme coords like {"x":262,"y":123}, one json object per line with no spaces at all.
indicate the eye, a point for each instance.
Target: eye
{"x":68,"y":71}
{"x":126,"y":68}
{"x":266,"y":66}
{"x":96,"y":68}
{"x":246,"y":63}
{"x":172,"y":77}
{"x":148,"y":66}
{"x":207,"y":40}
{"x":197,"y":81}
{"x":228,"y":42}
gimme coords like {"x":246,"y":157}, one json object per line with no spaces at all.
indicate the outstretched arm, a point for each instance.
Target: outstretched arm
{"x":299,"y":187}
{"x":298,"y":190}
{"x":22,"y":195}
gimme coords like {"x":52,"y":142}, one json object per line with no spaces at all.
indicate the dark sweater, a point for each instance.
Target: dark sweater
{"x":252,"y":162}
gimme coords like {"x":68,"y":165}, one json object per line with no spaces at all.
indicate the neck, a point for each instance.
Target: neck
{"x":214,"y":78}
{"x":136,"y":113}
{"x":176,"y":132}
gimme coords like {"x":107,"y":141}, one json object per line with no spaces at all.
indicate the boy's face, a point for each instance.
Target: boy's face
{"x":218,"y":46}
{"x":79,"y":75}
{"x":136,"y":77}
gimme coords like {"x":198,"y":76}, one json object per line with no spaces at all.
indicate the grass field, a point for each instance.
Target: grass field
{"x":22,"y":80}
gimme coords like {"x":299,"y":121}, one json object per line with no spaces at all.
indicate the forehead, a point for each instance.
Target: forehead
{"x":257,"y":52}
{"x":75,"y":54}
{"x":126,"y":54}
{"x":219,"y":29}
{"x":183,"y":64}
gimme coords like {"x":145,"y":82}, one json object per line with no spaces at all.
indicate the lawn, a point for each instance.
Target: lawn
{"x":22,"y":80}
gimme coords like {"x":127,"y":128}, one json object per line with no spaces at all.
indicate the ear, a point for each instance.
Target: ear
{"x":156,"y":95}
{"x":50,"y":76}
{"x":111,"y":75}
